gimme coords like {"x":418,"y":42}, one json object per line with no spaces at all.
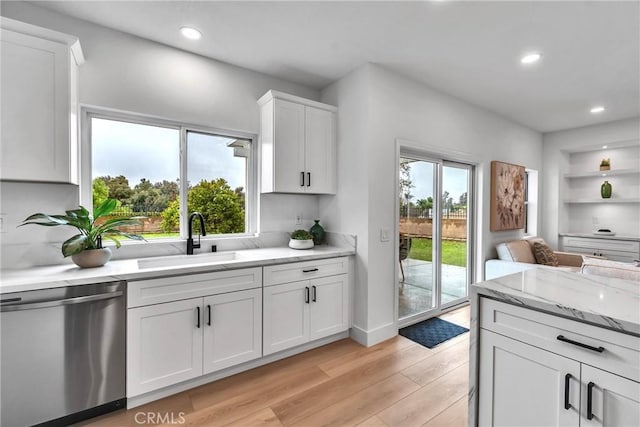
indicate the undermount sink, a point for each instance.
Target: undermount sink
{"x":179,"y":260}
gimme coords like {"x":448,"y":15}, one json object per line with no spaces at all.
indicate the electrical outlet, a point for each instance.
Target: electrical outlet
{"x":384,"y":234}
{"x":299,"y":219}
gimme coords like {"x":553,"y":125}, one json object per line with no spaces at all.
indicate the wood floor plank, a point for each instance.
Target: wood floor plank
{"x":362,"y":405}
{"x":424,"y":404}
{"x":326,"y":394}
{"x":454,"y":415}
{"x":341,"y":365}
{"x":227,"y":388}
{"x":373,"y":422}
{"x":257,"y":398}
{"x":263,"y":418}
{"x":439,"y":364}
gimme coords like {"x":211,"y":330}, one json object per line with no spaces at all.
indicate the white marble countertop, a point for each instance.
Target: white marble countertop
{"x":601,"y":236}
{"x":602,"y":301}
{"x":18,"y":280}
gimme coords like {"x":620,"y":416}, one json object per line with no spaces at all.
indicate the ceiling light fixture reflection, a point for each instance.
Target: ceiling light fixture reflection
{"x":604,"y":147}
{"x":191,"y":33}
{"x":598,"y":109}
{"x":531,"y":58}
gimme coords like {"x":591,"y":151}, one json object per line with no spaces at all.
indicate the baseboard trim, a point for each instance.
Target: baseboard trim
{"x":135,"y":401}
{"x":374,"y":336}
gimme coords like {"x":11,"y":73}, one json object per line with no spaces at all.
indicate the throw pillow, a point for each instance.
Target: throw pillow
{"x":544,"y":255}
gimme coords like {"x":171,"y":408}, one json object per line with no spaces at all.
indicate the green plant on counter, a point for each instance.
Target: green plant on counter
{"x":91,"y":231}
{"x":301,"y":235}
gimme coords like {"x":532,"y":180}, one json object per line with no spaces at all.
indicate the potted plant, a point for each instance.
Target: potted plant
{"x":86,"y":248}
{"x":301,"y":239}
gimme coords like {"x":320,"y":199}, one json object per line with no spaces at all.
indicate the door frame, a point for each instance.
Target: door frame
{"x":440,"y":156}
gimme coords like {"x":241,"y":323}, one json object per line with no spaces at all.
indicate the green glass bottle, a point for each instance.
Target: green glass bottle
{"x":605,"y":190}
{"x":318,"y":233}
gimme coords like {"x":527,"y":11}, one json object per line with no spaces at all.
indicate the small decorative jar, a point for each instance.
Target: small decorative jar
{"x":318,"y":232}
{"x":605,"y":190}
{"x":605,"y":164}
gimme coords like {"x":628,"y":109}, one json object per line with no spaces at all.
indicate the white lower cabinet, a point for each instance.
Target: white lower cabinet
{"x":566,"y":378}
{"x":305,"y":310}
{"x":175,"y":341}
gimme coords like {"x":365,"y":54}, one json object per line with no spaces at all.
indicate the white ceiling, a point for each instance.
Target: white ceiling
{"x":468,"y":49}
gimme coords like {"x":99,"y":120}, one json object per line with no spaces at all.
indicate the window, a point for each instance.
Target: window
{"x":140,"y":165}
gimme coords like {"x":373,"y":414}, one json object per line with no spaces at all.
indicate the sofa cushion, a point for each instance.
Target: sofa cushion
{"x":544,"y":255}
{"x":517,"y":251}
{"x":603,"y":267}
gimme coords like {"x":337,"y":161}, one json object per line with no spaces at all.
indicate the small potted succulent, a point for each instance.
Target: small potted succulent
{"x":301,"y":239}
{"x":86,"y":248}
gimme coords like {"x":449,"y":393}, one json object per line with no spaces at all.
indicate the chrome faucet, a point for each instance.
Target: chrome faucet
{"x":190,"y":244}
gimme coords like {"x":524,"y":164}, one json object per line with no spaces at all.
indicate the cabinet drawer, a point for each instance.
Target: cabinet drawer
{"x":608,"y":254}
{"x":621,"y":353}
{"x":155,"y":291}
{"x":602,"y":244}
{"x":284,"y":273}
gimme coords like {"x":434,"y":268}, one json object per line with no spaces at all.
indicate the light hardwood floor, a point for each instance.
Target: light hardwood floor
{"x":395,"y":383}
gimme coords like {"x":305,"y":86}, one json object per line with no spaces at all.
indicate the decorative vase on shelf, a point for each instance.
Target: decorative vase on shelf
{"x":605,"y":190}
{"x":318,"y":232}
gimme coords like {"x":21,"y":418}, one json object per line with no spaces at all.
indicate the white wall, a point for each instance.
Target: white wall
{"x":133,"y":74}
{"x":624,"y":219}
{"x":397,"y":107}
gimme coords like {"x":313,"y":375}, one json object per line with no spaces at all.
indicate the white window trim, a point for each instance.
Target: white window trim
{"x":87,"y":112}
{"x":531,"y":204}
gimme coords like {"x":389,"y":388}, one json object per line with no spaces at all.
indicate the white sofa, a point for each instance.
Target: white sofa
{"x":517,"y":255}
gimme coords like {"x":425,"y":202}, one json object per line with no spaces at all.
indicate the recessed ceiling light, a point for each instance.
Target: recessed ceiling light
{"x":531,"y":58}
{"x":190,"y":33}
{"x":604,"y":147}
{"x":598,"y":109}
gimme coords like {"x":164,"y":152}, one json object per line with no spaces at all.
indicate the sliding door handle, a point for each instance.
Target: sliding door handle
{"x":579,"y":344}
{"x":567,"y":379}
{"x":590,"y":400}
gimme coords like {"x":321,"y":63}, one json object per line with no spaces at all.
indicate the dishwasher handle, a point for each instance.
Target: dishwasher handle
{"x":60,"y":302}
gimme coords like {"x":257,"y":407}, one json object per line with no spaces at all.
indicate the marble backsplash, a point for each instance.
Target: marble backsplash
{"x":25,"y":255}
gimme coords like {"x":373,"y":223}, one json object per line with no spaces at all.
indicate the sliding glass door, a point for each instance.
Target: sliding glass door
{"x":435,"y":231}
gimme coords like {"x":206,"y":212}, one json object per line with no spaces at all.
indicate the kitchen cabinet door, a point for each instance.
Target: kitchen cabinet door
{"x":522,"y":385}
{"x":615,"y":400}
{"x":320,"y":151}
{"x":164,"y":345}
{"x":39,"y":102}
{"x":288,"y":147}
{"x":286,"y":316}
{"x":232,"y":329}
{"x":329,"y":308}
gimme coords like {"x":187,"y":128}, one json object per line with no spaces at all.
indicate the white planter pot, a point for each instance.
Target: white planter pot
{"x":301,"y":244}
{"x":92,"y":258}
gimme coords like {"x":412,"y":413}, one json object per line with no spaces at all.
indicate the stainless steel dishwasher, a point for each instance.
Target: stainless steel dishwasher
{"x":63,"y":354}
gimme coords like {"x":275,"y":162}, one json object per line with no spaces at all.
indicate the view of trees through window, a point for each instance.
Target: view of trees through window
{"x":139,"y":166}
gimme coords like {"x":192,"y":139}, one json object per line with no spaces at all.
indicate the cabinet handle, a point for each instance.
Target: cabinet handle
{"x":308,"y":179}
{"x":310,"y":270}
{"x":198,"y":317}
{"x":314,"y":293}
{"x":302,"y":180}
{"x":567,"y":379}
{"x":579,"y":344}
{"x":590,"y":400}
{"x":209,"y":313}
{"x":306,"y":294}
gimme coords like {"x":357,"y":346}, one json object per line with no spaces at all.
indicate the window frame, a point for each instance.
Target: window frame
{"x":87,"y":113}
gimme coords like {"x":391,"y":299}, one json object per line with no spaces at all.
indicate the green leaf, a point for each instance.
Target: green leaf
{"x":48,"y":220}
{"x":110,"y":237}
{"x":74,"y":245}
{"x":105,"y":208}
{"x":114,"y":232}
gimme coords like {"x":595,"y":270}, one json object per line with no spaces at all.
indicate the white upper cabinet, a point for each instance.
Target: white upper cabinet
{"x":298,"y":145}
{"x":39,"y":103}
